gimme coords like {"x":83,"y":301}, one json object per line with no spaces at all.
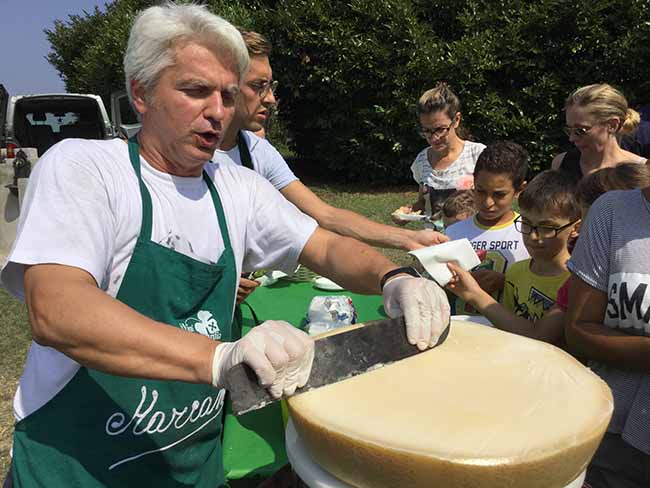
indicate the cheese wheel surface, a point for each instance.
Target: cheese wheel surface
{"x":485,"y":409}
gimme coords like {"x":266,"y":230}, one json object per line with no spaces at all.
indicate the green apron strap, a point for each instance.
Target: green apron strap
{"x":134,"y":155}
{"x":220,"y":215}
{"x":244,"y":152}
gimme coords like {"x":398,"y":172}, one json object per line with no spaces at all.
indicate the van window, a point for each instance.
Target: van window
{"x":40,"y":122}
{"x":127,"y":114}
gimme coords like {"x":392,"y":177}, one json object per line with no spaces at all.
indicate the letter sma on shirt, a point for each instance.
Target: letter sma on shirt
{"x":628,"y":305}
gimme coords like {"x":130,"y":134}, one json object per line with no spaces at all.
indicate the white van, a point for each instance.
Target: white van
{"x":42,"y":120}
{"x":29,"y":126}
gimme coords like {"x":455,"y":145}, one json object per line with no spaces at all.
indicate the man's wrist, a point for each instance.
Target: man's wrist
{"x":409,"y":270}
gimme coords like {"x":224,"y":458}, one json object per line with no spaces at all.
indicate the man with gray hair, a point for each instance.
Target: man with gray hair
{"x":128,"y":256}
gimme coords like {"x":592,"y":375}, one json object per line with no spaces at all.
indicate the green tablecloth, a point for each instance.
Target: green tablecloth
{"x":254,"y":443}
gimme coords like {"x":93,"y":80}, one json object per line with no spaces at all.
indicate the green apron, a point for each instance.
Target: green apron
{"x":106,"y":430}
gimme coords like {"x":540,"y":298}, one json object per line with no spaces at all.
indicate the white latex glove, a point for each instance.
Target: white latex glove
{"x":278,"y":353}
{"x":424,"y":306}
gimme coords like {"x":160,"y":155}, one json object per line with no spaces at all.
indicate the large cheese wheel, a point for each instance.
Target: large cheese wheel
{"x":486,"y":409}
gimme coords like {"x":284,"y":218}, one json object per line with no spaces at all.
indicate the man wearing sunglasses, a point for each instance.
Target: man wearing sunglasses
{"x":241,"y":146}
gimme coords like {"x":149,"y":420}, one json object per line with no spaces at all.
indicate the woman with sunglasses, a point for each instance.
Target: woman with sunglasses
{"x":447,"y":164}
{"x":597,"y":116}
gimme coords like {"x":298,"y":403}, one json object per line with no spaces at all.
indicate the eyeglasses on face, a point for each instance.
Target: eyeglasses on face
{"x":263,"y":87}
{"x":542,"y":231}
{"x":436,"y":133}
{"x":577,"y":131}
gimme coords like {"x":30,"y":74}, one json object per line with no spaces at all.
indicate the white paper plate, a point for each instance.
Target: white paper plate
{"x":323,"y":283}
{"x":410,"y":217}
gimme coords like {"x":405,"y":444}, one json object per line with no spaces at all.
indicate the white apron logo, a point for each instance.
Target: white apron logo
{"x":146,"y":420}
{"x":204,"y":323}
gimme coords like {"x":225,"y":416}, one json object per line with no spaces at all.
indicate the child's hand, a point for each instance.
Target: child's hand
{"x":463,"y":284}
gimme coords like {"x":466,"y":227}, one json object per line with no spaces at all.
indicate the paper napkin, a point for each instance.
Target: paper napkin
{"x":435,"y":258}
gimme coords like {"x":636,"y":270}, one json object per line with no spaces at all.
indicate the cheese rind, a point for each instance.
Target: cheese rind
{"x":485,"y":409}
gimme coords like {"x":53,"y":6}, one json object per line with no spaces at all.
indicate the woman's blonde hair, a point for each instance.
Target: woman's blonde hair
{"x":439,"y":98}
{"x":603,"y":101}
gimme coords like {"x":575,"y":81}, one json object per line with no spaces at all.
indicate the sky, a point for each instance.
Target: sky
{"x":24,"y":46}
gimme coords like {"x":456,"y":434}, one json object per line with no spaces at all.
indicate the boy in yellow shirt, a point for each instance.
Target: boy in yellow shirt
{"x":550,"y":215}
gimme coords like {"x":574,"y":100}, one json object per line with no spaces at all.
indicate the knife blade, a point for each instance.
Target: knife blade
{"x":336,"y":358}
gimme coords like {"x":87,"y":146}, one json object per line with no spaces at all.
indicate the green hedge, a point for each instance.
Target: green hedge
{"x":350,"y":72}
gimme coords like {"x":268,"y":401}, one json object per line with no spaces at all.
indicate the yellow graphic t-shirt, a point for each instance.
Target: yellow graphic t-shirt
{"x":530,"y":295}
{"x":504,"y":246}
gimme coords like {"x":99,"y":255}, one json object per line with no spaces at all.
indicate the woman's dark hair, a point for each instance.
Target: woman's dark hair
{"x":439,"y":98}
{"x":442,"y":98}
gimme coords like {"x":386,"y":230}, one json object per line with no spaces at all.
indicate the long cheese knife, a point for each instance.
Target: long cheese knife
{"x":336,"y":357}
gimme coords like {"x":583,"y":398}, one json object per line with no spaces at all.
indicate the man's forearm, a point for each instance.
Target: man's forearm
{"x":348,"y":223}
{"x":351,"y":224}
{"x":69,"y":313}
{"x":354,"y":265}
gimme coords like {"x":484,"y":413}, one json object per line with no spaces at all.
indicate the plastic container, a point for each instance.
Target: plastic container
{"x":329,"y":312}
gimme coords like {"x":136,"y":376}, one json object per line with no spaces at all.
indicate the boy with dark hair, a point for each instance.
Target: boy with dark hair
{"x":499,"y":177}
{"x":550,"y":214}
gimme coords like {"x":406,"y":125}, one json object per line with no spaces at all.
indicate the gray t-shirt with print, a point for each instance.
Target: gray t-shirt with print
{"x":613,"y":255}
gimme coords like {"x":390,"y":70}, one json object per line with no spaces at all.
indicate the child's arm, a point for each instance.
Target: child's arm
{"x":550,"y":328}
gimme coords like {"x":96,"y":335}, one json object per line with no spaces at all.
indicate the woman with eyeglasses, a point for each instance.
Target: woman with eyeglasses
{"x":447,"y":164}
{"x":597,"y":116}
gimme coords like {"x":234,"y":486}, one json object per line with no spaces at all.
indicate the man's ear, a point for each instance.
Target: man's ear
{"x":138,"y":95}
{"x":457,"y":118}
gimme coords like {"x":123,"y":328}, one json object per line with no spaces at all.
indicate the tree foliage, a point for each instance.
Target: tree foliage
{"x":351,"y":71}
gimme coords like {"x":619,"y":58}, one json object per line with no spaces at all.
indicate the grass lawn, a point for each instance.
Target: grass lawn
{"x":14,"y":341}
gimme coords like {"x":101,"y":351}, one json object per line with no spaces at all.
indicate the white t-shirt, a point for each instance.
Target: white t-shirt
{"x":448,"y":178}
{"x":267,"y":161}
{"x":442,"y":183}
{"x":503,"y":243}
{"x":83,"y":209}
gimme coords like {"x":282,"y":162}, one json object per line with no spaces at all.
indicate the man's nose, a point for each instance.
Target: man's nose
{"x":214,"y":108}
{"x":269,"y":99}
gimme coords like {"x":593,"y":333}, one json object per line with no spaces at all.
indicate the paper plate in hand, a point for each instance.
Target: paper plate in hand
{"x":410,"y":217}
{"x":323,"y":283}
